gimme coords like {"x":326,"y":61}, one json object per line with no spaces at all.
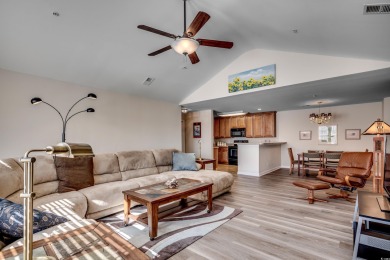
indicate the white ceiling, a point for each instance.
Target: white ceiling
{"x":96,"y":43}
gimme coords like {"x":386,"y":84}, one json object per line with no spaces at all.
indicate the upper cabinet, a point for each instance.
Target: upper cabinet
{"x":257,"y":125}
{"x":269,"y":124}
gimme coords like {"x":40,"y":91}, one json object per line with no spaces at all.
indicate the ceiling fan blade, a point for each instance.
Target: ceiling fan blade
{"x":198,"y":22}
{"x":214,"y":43}
{"x":160,"y":50}
{"x":194,"y":58}
{"x":153,"y":30}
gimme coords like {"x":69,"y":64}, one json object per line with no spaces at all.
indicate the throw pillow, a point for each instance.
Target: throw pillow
{"x":11,"y":219}
{"x":74,"y":173}
{"x":184,"y":162}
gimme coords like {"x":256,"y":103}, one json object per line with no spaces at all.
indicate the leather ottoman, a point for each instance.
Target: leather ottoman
{"x":311,"y":186}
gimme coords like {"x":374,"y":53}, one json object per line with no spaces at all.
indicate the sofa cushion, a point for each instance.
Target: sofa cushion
{"x":74,"y":173}
{"x":221,"y":180}
{"x":45,"y":175}
{"x":11,"y":219}
{"x":106,"y":195}
{"x":72,"y":205}
{"x":106,"y":168}
{"x":135,"y":164}
{"x":163,"y":159}
{"x":11,"y":177}
{"x":184,"y":162}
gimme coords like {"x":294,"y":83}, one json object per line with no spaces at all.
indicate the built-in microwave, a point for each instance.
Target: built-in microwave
{"x":237,"y":132}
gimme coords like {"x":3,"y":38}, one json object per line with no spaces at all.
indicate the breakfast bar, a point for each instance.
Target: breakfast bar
{"x":257,"y":159}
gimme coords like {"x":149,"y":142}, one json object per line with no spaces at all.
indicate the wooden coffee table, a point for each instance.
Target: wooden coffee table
{"x":158,"y":194}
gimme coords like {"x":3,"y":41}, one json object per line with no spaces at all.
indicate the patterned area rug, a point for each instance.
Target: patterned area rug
{"x":175,"y":232}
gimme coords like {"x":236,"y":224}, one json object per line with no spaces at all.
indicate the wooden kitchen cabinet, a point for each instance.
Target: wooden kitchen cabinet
{"x":248,"y":126}
{"x":269,"y":124}
{"x":224,"y":127}
{"x":223,"y":155}
{"x":257,"y":121}
{"x":240,"y":122}
{"x":216,"y":128}
{"x":233,"y":121}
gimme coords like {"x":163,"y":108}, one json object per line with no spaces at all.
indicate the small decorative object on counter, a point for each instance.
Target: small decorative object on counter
{"x":172,"y":183}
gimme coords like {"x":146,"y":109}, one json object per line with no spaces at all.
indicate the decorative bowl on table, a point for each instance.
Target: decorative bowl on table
{"x":172,"y":183}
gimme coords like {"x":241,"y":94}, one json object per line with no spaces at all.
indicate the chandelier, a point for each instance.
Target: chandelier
{"x":320,"y":118}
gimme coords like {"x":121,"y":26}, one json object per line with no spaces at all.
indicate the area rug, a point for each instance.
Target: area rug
{"x":175,"y":232}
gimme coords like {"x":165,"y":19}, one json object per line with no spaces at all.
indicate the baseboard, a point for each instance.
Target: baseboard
{"x":258,"y":174}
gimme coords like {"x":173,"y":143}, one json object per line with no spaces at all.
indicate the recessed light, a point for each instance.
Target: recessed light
{"x":259,"y":109}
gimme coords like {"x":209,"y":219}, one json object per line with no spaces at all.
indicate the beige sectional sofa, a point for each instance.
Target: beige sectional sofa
{"x":113,"y":173}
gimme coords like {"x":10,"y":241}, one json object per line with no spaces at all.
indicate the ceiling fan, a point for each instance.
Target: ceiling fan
{"x":186,"y":44}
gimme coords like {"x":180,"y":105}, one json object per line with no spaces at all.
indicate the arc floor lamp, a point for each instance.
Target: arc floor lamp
{"x":71,"y":150}
{"x":37,"y":100}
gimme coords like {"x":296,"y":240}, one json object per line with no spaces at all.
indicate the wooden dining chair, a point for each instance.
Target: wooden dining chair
{"x":293,"y":162}
{"x":331,"y":160}
{"x":311,"y":161}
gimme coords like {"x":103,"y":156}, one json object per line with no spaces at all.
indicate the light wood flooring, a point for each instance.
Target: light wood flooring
{"x":276,"y":223}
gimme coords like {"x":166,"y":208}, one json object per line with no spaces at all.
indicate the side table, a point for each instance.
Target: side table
{"x":367,"y":210}
{"x":204,"y":161}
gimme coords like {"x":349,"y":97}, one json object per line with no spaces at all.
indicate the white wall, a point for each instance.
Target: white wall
{"x":291,"y":68}
{"x":121,"y":122}
{"x":360,"y":116}
{"x":206,"y":117}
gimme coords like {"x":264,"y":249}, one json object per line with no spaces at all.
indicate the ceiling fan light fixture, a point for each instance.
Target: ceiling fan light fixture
{"x":185,"y":45}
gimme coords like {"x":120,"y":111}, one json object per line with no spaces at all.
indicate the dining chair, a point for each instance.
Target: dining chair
{"x":331,"y":161}
{"x":311,"y":161}
{"x":293,"y":162}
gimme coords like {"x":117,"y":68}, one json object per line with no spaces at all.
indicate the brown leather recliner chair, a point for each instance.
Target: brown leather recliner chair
{"x":352,"y":172}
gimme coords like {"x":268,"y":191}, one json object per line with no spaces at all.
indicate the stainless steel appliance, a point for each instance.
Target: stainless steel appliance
{"x":237,"y":132}
{"x":233,"y":152}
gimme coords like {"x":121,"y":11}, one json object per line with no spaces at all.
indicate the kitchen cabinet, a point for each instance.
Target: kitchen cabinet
{"x":257,"y":125}
{"x":269,"y":124}
{"x":249,"y":126}
{"x":257,"y":121}
{"x":240,"y":122}
{"x":215,"y":155}
{"x":223,"y":155}
{"x":224,"y":127}
{"x":233,"y":121}
{"x":216,"y":128}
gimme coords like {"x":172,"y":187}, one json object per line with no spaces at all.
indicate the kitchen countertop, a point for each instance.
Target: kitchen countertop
{"x":265,"y":144}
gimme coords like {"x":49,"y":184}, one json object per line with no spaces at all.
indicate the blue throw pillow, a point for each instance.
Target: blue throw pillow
{"x":184,"y":162}
{"x":11,"y":219}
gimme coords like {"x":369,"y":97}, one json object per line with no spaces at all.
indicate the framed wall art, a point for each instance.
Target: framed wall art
{"x":197,"y":130}
{"x":327,"y":134}
{"x":250,"y":79}
{"x":305,"y":135}
{"x":352,"y":134}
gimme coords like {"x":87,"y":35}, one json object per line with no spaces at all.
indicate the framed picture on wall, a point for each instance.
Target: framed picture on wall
{"x":327,"y":134}
{"x":352,"y":134}
{"x":305,"y":135}
{"x":197,"y":130}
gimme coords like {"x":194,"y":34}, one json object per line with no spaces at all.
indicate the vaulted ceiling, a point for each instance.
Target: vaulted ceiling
{"x":96,"y":43}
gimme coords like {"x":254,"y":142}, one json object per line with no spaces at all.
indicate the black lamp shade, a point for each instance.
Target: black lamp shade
{"x":36,"y":101}
{"x":90,"y":110}
{"x":92,"y":96}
